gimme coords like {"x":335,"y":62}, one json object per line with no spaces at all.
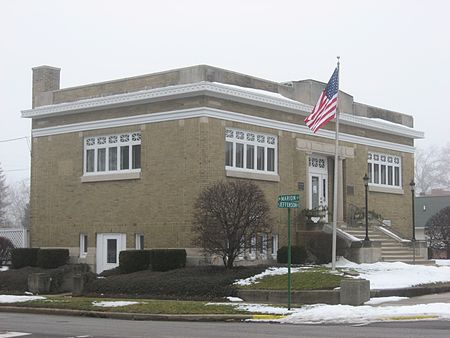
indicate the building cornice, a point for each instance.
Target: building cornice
{"x":219,"y":114}
{"x":244,"y":95}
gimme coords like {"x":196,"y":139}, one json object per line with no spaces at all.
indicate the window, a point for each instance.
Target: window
{"x":249,"y":151}
{"x":384,"y":170}
{"x":83,"y":245}
{"x":112,"y":153}
{"x":139,"y":242}
{"x":274,"y":245}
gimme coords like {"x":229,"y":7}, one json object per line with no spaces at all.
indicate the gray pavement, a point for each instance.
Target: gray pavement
{"x":425,"y":299}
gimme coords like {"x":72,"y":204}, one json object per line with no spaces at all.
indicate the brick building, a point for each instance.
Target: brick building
{"x":118,"y":164}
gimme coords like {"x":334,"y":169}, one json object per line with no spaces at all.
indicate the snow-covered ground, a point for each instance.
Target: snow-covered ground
{"x":382,"y":275}
{"x":385,"y":275}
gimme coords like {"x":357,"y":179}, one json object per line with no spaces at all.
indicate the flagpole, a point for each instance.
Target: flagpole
{"x":336,"y":175}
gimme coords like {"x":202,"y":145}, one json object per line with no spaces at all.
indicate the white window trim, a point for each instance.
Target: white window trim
{"x":274,"y":246}
{"x":137,"y":241}
{"x":83,"y":253}
{"x":255,"y":143}
{"x":381,"y":186}
{"x":130,"y":143}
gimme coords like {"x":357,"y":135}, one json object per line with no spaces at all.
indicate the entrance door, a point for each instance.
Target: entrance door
{"x":108,"y":249}
{"x":318,"y":182}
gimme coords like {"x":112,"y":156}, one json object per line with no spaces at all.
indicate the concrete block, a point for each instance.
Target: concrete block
{"x":39,"y":283}
{"x":78,"y":282}
{"x":354,"y":291}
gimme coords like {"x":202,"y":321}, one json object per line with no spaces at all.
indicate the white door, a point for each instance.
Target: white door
{"x":318,"y":182}
{"x":108,"y":248}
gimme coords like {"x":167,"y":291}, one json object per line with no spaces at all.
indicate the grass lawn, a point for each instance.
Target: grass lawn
{"x":147,"y":306}
{"x":313,"y":279}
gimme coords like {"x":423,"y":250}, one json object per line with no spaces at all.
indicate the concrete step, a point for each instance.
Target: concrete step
{"x":391,"y":250}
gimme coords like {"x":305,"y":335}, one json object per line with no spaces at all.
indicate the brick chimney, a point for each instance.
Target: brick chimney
{"x":45,"y":80}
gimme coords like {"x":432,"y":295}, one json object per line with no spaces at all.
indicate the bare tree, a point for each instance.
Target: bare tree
{"x":3,"y":197}
{"x":437,"y":229}
{"x":226,"y":215}
{"x":426,"y":169}
{"x":19,"y":198}
{"x":444,"y":167}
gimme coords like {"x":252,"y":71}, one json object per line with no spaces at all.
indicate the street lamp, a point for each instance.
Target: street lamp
{"x":366,"y":185}
{"x":412,"y":185}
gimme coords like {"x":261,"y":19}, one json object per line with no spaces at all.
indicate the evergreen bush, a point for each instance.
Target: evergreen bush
{"x":298,"y":255}
{"x":167,"y":259}
{"x":52,"y":258}
{"x":134,"y":260}
{"x":21,"y":257}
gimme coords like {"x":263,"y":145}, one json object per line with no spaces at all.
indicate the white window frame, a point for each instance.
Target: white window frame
{"x":137,"y":240}
{"x":107,"y":142}
{"x":83,"y":245}
{"x":274,"y":246}
{"x":388,"y":161}
{"x":255,"y":139}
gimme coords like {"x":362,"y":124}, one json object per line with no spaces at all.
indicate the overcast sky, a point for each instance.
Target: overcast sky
{"x":394,"y":54}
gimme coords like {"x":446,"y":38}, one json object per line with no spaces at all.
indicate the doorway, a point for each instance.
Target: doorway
{"x":318,"y":182}
{"x":108,"y":248}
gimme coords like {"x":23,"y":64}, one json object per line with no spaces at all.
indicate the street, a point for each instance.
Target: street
{"x":33,"y":325}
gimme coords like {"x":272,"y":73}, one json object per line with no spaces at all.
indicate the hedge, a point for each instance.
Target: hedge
{"x":134,"y":260}
{"x":159,"y":259}
{"x":21,"y":257}
{"x":167,"y":259}
{"x":298,"y":255}
{"x":52,"y":258}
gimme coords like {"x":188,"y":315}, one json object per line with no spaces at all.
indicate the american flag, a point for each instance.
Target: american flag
{"x":325,"y":108}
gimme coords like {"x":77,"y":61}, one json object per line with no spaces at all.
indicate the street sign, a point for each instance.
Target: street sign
{"x":288,"y":201}
{"x":288,"y":198}
{"x":287,"y":204}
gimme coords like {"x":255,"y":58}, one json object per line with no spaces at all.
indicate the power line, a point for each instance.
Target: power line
{"x":14,"y":139}
{"x":23,"y":169}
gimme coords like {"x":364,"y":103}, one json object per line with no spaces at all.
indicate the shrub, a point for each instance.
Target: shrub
{"x":5,"y":250}
{"x":167,"y":259}
{"x":298,"y":255}
{"x":134,"y":260}
{"x":52,"y":258}
{"x":191,"y":283}
{"x":21,"y":257}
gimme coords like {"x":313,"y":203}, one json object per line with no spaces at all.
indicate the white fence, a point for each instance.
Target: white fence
{"x":18,"y":237}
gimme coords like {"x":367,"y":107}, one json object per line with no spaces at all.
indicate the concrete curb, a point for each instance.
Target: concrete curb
{"x":410,"y":292}
{"x":128,"y":316}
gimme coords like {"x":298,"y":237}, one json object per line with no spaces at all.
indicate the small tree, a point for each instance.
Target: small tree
{"x":228,"y":214}
{"x":3,"y":197}
{"x":437,"y":229}
{"x":5,"y":250}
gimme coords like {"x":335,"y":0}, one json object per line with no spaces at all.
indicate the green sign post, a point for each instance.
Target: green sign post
{"x":288,"y":202}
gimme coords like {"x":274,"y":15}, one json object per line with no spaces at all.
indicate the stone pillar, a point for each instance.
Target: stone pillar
{"x":355,"y":291}
{"x":45,"y":80}
{"x":39,"y":283}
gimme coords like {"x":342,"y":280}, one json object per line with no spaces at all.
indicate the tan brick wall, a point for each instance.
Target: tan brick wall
{"x":179,"y":158}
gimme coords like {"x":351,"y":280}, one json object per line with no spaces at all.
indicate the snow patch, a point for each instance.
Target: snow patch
{"x":18,"y":299}
{"x":4,"y":268}
{"x":380,"y":300}
{"x":114,"y":303}
{"x":235,"y":299}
